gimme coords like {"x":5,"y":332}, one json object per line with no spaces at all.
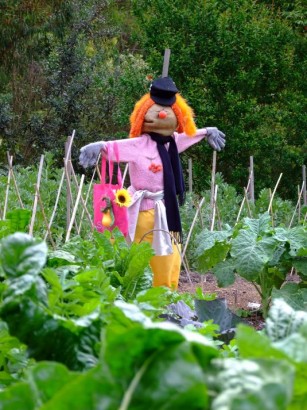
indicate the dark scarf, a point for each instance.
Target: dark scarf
{"x":173,"y":182}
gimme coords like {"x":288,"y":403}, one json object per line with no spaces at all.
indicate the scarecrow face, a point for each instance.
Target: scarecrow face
{"x":160,"y":119}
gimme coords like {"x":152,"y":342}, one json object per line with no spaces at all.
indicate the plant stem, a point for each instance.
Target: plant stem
{"x":134,"y":383}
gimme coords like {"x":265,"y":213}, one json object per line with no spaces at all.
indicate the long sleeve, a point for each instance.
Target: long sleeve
{"x":128,"y":149}
{"x":184,"y":142}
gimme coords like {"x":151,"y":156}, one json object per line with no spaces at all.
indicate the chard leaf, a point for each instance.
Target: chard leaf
{"x":207,"y":239}
{"x":283,"y":320}
{"x":261,"y":346}
{"x":258,"y":226}
{"x":288,"y":349}
{"x":296,"y":237}
{"x":225,"y":272}
{"x":18,"y":396}
{"x":301,"y":266}
{"x":253,"y":384}
{"x":46,"y":379}
{"x":19,"y":219}
{"x":251,"y":254}
{"x":293,"y":295}
{"x":21,"y":254}
{"x":138,"y":263}
{"x":60,"y":258}
{"x":212,"y":256}
{"x":294,"y":346}
{"x":137,"y":356}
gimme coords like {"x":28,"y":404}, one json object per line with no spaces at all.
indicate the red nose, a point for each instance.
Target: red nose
{"x":162,"y":114}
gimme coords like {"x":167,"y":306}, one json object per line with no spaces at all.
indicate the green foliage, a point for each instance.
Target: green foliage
{"x":246,"y":78}
{"x":16,"y":221}
{"x":80,"y":80}
{"x":185,"y":368}
{"x":111,"y":352}
{"x":253,"y":249}
{"x":13,"y":358}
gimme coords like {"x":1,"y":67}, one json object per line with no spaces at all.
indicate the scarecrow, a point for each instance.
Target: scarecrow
{"x":162,"y":126}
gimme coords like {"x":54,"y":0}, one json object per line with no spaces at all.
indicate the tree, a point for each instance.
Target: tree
{"x":240,"y":65}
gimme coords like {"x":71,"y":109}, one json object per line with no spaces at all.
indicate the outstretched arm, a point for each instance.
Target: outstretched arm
{"x":214,"y":137}
{"x":89,"y":153}
{"x":127,"y":148}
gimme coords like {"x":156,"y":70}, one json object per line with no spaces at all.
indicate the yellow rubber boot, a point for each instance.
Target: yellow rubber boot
{"x":166,"y":269}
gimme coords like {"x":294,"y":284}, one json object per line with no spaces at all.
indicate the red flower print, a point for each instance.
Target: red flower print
{"x":155,"y":168}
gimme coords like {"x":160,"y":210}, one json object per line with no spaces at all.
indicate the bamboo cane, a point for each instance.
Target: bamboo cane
{"x":190,"y":172}
{"x":305,"y":183}
{"x":68,"y":146}
{"x":242,"y":203}
{"x":86,"y":199}
{"x":69,"y":191}
{"x":39,"y":176}
{"x":125,"y":173}
{"x":251,"y":188}
{"x":247,"y":203}
{"x":297,"y":204}
{"x":82,"y":200}
{"x":6,"y":194}
{"x":214,"y":208}
{"x":213,"y":171}
{"x":10,"y":161}
{"x":44,"y":216}
{"x":75,"y":209}
{"x":192,"y":227}
{"x":212,"y":225}
{"x":56,"y":203}
{"x":273,"y":194}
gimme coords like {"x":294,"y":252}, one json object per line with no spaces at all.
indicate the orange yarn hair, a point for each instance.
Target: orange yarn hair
{"x":182,"y":110}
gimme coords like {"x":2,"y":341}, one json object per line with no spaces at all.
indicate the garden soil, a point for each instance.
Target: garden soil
{"x":242,"y":297}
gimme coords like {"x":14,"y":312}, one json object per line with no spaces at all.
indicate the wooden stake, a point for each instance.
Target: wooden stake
{"x":167,"y":54}
{"x":75,"y":209}
{"x":39,"y":176}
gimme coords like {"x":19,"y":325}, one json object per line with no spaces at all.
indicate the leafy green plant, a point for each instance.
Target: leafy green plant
{"x":186,"y":369}
{"x":14,"y":358}
{"x":254,"y":250}
{"x":16,"y":221}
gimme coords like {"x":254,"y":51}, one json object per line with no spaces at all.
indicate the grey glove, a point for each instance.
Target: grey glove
{"x":215,"y":138}
{"x":89,"y":153}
